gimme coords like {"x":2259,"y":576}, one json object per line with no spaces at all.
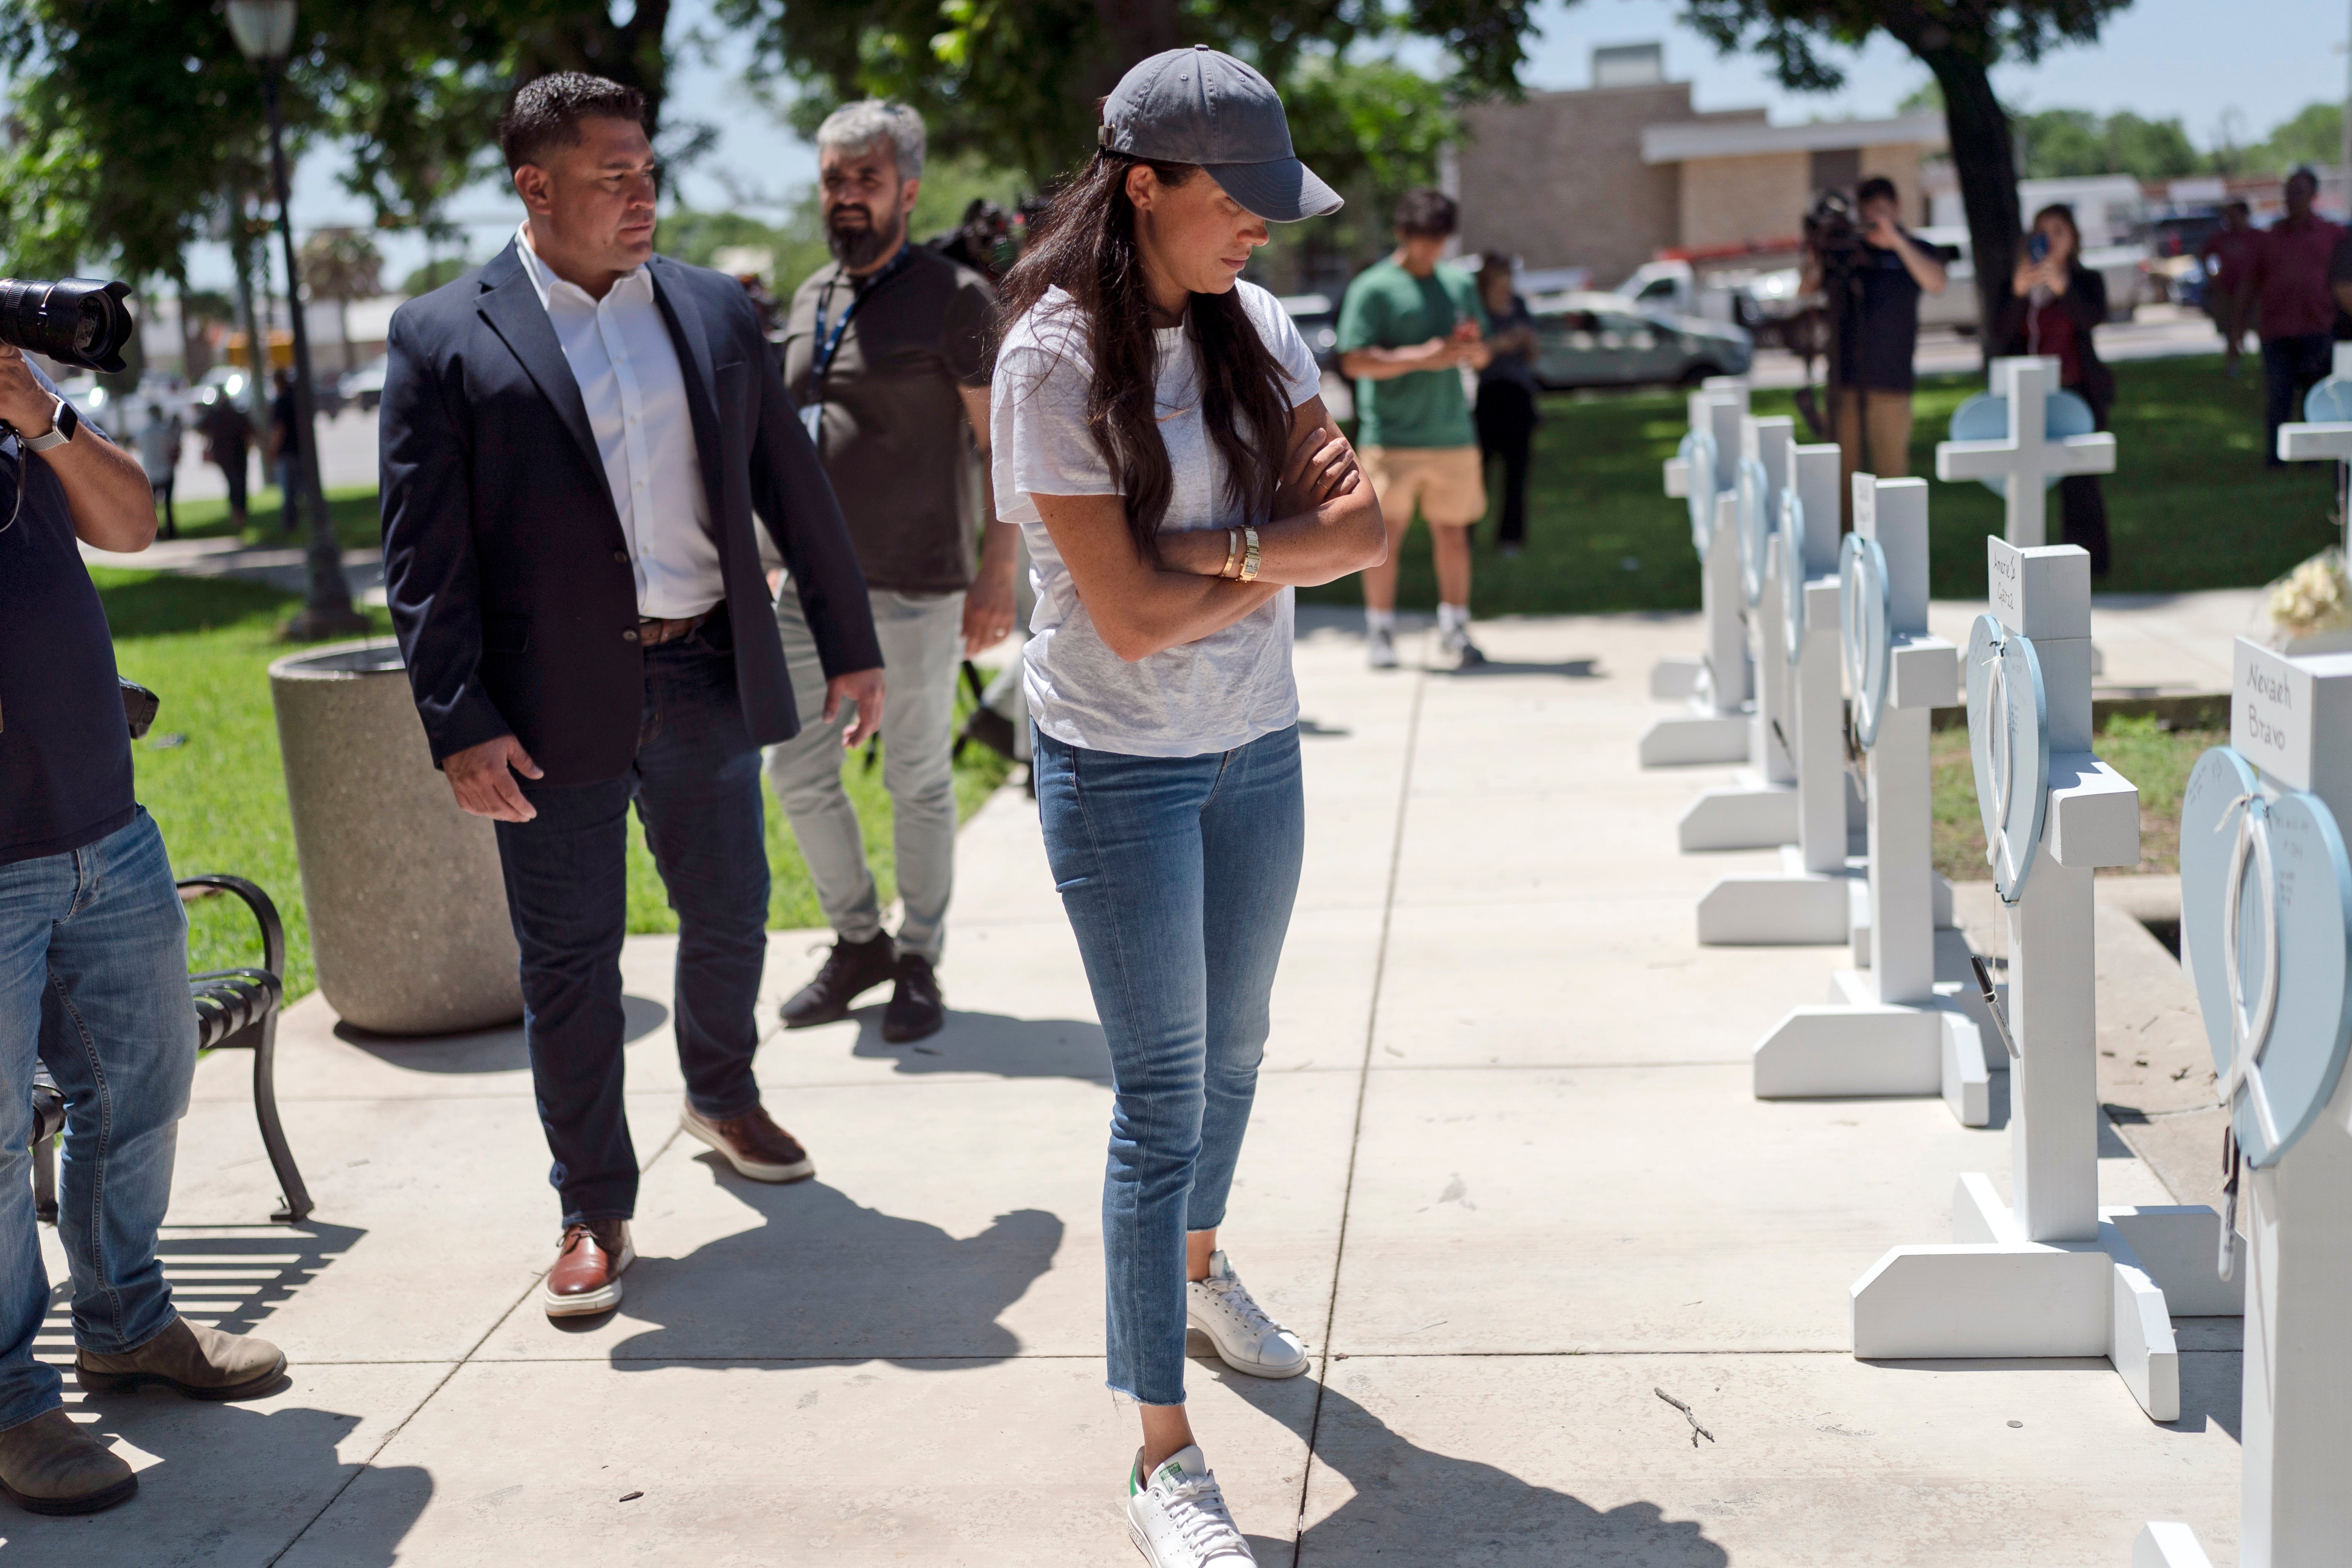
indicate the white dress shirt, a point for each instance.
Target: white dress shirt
{"x":620,"y":353}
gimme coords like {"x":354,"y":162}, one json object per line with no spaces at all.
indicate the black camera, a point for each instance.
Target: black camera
{"x":77,"y":321}
{"x":1832,"y":233}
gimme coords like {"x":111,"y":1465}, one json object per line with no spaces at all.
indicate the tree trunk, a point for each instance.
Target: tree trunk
{"x":1986,"y":160}
{"x":630,"y":52}
{"x":1133,"y":31}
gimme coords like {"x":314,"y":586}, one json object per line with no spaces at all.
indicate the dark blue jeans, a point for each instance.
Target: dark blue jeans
{"x":94,"y":981}
{"x":1178,"y":874}
{"x":696,"y":782}
{"x":2291,"y":367}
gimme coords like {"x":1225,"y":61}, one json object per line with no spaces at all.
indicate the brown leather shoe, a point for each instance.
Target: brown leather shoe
{"x":753,"y":1144}
{"x":48,"y":1465}
{"x":187,"y":1358}
{"x":586,"y":1279}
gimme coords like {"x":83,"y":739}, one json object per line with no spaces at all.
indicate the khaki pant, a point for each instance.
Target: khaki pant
{"x":1884,"y":419}
{"x":1448,"y":484}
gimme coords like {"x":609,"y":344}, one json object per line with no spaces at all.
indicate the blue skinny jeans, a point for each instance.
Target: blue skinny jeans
{"x":1178,"y":874}
{"x":93,"y":981}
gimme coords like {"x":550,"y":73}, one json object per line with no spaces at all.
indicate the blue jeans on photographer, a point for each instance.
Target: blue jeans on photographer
{"x":1178,"y":874}
{"x":94,"y":977}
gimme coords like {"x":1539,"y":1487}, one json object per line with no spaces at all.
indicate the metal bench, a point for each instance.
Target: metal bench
{"x":236,"y":1009}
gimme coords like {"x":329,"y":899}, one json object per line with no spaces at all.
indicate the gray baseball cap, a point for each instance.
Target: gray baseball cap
{"x":1199,"y":106}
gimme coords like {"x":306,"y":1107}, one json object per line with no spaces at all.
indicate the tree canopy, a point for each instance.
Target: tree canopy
{"x":1959,"y":41}
{"x":136,"y":128}
{"x":1017,"y":83}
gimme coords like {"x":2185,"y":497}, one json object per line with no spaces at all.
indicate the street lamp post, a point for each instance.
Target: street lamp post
{"x":264,"y":30}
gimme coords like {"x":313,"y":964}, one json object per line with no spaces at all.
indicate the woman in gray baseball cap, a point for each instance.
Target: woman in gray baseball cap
{"x":1159,"y":435}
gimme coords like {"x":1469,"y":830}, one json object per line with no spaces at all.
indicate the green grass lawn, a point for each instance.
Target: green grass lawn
{"x":357,"y":525}
{"x":2190,"y":506}
{"x":2156,"y":759}
{"x":219,"y":792}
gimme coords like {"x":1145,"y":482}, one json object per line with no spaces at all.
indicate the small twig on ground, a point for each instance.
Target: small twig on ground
{"x":1697,"y":1431}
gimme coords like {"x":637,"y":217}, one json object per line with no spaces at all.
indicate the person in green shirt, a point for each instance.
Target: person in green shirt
{"x":1407,"y":329}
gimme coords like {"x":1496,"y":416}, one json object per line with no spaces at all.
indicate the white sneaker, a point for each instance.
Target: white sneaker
{"x":1380,"y":648}
{"x":1246,"y":1339}
{"x":1180,"y":1519}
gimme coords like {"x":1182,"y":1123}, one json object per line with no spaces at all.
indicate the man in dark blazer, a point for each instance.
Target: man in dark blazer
{"x":578,"y":440}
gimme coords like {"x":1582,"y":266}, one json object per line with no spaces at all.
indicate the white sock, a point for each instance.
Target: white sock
{"x":1453,"y":618}
{"x":1379,"y":620}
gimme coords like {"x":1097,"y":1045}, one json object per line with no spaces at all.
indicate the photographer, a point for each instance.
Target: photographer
{"x":1872,"y":274}
{"x":93,"y":970}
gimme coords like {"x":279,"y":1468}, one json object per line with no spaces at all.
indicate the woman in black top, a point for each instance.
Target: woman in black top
{"x":2055,"y":303}
{"x":1507,"y":394}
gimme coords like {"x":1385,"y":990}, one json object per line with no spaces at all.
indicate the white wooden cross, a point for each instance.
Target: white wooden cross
{"x":2054,"y":1274}
{"x":2026,"y":459}
{"x":2286,"y":716}
{"x":2311,"y":443}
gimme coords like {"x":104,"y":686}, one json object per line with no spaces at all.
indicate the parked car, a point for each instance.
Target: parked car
{"x":1317,"y":317}
{"x":119,"y":415}
{"x":2173,"y":271}
{"x":1601,"y":340}
{"x":364,"y":385}
{"x":1956,"y":307}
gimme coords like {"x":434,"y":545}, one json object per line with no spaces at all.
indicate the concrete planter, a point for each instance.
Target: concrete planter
{"x":407,"y":912}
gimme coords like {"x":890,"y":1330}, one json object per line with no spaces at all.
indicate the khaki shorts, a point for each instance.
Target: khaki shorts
{"x":1448,"y":484}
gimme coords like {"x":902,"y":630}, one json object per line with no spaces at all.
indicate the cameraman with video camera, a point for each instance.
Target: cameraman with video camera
{"x":93,"y":944}
{"x":1871,"y":273}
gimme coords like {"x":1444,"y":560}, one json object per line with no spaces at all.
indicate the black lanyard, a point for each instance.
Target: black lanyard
{"x":828,"y":347}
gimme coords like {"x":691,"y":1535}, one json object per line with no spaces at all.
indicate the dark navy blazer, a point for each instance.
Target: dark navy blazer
{"x":505,"y":565}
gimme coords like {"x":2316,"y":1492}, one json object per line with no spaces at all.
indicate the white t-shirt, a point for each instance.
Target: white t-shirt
{"x":1213,"y":695}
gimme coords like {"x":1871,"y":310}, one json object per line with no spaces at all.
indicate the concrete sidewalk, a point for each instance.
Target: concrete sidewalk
{"x":1506,"y":1175}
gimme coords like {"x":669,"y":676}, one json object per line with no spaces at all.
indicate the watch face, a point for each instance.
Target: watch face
{"x":68,"y":421}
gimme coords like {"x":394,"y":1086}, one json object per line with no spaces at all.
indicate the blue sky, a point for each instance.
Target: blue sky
{"x":2197,"y":61}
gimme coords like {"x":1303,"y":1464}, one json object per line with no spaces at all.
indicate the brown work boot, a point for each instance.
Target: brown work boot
{"x":753,"y":1144}
{"x":187,"y":1358}
{"x":48,"y":1465}
{"x":586,"y":1279}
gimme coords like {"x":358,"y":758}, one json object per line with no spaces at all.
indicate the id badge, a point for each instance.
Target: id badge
{"x":811,"y":420}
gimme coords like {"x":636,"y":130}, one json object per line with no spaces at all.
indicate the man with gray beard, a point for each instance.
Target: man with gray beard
{"x":888,"y":354}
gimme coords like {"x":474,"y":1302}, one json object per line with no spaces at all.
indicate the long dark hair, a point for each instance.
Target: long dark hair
{"x":1088,"y":250}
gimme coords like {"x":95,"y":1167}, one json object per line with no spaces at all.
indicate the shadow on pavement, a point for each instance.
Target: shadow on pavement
{"x":991,"y":1042}
{"x":486,"y":1050}
{"x":825,"y":1278}
{"x":231,"y":1484}
{"x":1411,"y":1505}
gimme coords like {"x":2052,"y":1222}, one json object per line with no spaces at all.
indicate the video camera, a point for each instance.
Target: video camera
{"x":79,"y":321}
{"x":1832,"y":233}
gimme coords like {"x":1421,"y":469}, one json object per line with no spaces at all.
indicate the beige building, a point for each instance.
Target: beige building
{"x":1608,"y":177}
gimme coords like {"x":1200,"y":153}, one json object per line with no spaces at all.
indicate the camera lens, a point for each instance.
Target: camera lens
{"x":80,"y":320}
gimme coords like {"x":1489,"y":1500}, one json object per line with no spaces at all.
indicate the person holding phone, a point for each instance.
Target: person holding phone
{"x":1160,"y":438}
{"x":2056,"y":304}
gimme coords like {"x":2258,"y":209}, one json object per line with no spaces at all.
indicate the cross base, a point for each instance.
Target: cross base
{"x":1796,"y":907}
{"x":1703,"y":734}
{"x":1751,"y":813}
{"x":1991,"y":1294}
{"x":1676,"y":676}
{"x":1857,"y":1048}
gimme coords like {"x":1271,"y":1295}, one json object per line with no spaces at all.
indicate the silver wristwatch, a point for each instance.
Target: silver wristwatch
{"x":63,"y":421}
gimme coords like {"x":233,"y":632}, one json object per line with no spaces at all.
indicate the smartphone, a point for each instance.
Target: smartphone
{"x":2038,"y":246}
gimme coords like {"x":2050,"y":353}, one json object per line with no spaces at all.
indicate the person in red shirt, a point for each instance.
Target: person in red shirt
{"x":2228,"y":257}
{"x":2298,"y":307}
